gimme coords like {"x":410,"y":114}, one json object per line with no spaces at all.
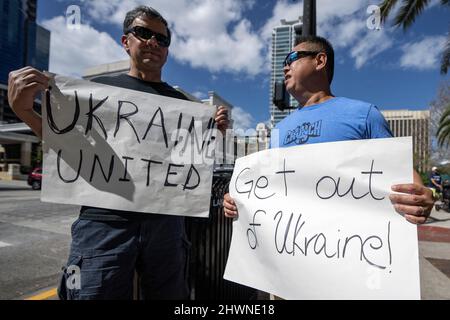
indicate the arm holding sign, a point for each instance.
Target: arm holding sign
{"x":229,"y":206}
{"x":23,"y":86}
{"x":415,"y":201}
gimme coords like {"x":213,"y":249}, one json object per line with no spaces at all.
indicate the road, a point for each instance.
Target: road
{"x":35,"y":239}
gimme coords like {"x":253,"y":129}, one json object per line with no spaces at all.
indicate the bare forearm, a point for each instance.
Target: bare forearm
{"x":23,"y":86}
{"x":33,"y":120}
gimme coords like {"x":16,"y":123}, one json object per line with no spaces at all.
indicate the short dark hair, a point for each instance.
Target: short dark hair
{"x":143,"y":11}
{"x":321,"y":44}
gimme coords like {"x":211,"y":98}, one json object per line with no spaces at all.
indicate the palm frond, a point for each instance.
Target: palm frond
{"x":443,"y":132}
{"x":409,"y":12}
{"x":386,"y":7}
{"x":443,"y":125}
{"x":444,"y":138}
{"x":445,"y":114}
{"x":445,"y":62}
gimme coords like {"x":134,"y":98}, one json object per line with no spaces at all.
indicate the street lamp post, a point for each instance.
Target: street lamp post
{"x":309,"y":18}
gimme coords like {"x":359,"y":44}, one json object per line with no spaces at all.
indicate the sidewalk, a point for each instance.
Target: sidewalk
{"x":434,"y":256}
{"x":14,"y":185}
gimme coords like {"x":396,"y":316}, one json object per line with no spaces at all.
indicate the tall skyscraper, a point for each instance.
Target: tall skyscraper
{"x":283,"y":40}
{"x":22,"y":43}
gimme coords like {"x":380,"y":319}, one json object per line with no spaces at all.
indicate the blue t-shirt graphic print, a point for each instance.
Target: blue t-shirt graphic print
{"x":337,"y":119}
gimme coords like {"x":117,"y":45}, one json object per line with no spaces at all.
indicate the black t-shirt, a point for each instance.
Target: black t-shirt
{"x":127,"y":82}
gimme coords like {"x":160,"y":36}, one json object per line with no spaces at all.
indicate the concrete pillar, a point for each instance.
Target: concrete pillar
{"x":25,"y":154}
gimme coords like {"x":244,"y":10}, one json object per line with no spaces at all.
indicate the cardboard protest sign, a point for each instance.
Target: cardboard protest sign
{"x":122,"y":149}
{"x":316,"y":222}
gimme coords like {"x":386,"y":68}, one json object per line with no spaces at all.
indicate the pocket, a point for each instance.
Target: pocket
{"x":100,"y":272}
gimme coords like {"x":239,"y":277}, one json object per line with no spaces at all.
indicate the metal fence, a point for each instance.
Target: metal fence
{"x":211,"y":240}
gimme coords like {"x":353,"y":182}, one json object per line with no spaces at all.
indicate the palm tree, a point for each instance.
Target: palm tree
{"x":408,"y":13}
{"x":443,"y":133}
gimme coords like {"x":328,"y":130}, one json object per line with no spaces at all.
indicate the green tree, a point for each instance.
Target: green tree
{"x":438,"y":108}
{"x":443,"y":133}
{"x":409,"y":11}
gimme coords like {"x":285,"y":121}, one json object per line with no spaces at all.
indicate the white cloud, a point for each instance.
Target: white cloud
{"x":242,"y":119}
{"x":341,"y":22}
{"x":346,"y":33}
{"x":423,"y":55}
{"x":328,"y":10}
{"x":236,"y":52}
{"x":206,"y":33}
{"x":199,"y":95}
{"x":282,"y":10}
{"x":372,"y":44}
{"x":74,"y":50}
{"x":111,"y":11}
{"x":344,"y":24}
{"x":217,"y":36}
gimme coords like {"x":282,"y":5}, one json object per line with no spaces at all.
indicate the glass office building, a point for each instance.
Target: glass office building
{"x":22,"y":43}
{"x":283,"y":40}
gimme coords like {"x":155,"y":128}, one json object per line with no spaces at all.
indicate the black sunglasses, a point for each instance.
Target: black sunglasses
{"x":146,"y":34}
{"x":295,"y":55}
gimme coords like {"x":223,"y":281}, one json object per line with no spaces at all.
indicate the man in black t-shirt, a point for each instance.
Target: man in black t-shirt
{"x":109,"y":245}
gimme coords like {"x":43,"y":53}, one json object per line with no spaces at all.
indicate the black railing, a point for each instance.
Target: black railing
{"x":211,"y":239}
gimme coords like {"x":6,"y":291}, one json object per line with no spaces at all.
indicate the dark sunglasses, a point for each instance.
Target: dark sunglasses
{"x":146,"y":34}
{"x":295,"y":55}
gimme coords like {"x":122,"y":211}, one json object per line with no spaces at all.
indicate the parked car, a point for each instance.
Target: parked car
{"x":35,"y":178}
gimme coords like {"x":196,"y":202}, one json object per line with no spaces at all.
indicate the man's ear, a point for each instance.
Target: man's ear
{"x":321,"y":61}
{"x":125,"y":45}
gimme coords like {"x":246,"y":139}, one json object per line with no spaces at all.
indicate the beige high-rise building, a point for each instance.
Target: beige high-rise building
{"x":404,"y":123}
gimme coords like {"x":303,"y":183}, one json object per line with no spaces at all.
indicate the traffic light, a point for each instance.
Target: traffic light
{"x":281,"y":96}
{"x":309,"y":18}
{"x":298,"y":28}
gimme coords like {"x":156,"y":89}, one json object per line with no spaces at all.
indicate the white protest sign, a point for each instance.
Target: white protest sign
{"x":122,"y":149}
{"x":316,"y":222}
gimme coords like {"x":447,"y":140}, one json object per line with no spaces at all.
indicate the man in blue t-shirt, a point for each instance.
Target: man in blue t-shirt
{"x":322,"y":117}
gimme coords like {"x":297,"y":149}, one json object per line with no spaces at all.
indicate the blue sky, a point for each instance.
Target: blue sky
{"x":224,"y":45}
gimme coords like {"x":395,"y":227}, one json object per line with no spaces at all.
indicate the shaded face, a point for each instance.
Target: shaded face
{"x":146,"y":55}
{"x":299,"y":72}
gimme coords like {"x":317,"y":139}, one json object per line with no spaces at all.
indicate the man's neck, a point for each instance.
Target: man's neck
{"x":146,"y":76}
{"x":318,"y":97}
